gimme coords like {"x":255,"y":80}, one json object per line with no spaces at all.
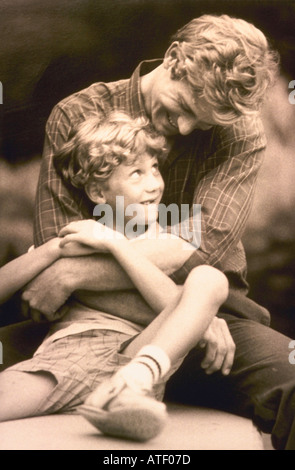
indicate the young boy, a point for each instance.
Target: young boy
{"x":118,"y":367}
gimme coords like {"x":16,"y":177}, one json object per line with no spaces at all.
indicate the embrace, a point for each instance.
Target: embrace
{"x":137,"y":314}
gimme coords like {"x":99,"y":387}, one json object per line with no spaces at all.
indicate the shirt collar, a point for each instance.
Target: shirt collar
{"x":134,"y":95}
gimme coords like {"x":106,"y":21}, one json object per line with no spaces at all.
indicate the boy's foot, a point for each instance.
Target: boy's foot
{"x":117,"y":410}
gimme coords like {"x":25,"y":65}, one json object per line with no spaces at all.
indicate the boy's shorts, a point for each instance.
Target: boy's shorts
{"x":79,"y":363}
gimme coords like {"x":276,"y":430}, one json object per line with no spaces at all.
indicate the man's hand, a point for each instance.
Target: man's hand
{"x":47,"y":293}
{"x":220,"y":347}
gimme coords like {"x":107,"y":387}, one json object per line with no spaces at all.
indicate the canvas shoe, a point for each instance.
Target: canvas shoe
{"x":117,"y":410}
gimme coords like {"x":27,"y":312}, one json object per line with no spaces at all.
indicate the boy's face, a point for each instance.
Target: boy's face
{"x":141,"y":184}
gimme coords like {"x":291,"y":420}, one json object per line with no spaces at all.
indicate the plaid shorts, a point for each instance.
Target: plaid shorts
{"x":79,"y":363}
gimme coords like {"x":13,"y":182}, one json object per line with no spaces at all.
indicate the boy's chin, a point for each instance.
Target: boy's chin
{"x":151,"y":214}
{"x":143,"y":219}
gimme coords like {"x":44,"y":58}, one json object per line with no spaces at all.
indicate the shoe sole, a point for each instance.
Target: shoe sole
{"x":140,"y":424}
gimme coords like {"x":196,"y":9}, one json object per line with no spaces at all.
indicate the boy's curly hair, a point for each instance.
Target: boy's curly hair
{"x":97,"y":146}
{"x":229,"y":62}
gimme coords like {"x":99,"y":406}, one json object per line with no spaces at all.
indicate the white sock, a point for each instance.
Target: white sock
{"x":149,"y":365}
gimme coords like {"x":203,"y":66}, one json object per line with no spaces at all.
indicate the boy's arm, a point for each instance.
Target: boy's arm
{"x":18,"y":272}
{"x":153,"y":284}
{"x":97,"y":273}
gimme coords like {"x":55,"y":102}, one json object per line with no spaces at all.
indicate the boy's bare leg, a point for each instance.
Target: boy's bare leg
{"x":21,"y":393}
{"x":182,"y":324}
{"x":120,"y":407}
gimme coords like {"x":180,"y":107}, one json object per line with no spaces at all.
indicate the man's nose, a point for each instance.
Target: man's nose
{"x":186,"y":124}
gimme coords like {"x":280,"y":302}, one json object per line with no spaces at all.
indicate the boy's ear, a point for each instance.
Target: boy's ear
{"x":174,"y":61}
{"x":95,"y":192}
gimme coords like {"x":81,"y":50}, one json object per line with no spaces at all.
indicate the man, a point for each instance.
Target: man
{"x":204,"y":97}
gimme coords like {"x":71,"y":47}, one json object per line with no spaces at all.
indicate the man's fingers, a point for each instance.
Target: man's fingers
{"x":230,"y":355}
{"x":217,"y":364}
{"x":220,"y":348}
{"x":26,"y":296}
{"x":36,"y":316}
{"x":33,"y":307}
{"x":214,"y":358}
{"x":210,"y":354}
{"x":228,"y":363}
{"x":32,"y":313}
{"x":59,"y":313}
{"x":229,"y":346}
{"x":25,"y":308}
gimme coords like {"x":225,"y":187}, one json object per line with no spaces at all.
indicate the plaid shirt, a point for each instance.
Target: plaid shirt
{"x":216,"y":168}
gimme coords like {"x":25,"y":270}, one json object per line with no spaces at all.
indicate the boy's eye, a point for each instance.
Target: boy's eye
{"x":135,"y":174}
{"x":155,"y":169}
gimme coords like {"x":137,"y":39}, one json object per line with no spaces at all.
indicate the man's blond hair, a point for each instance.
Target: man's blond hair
{"x":229,"y":62}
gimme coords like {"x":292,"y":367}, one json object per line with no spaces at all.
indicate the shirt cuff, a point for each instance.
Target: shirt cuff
{"x":196,"y":259}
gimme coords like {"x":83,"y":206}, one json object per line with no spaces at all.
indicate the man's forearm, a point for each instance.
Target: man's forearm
{"x":103,"y":273}
{"x":123,"y":304}
{"x":95,"y":274}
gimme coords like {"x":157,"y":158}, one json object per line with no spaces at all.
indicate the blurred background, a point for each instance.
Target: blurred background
{"x":51,"y":49}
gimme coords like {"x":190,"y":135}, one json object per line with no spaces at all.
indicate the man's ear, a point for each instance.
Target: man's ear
{"x":174,"y":61}
{"x":95,"y":192}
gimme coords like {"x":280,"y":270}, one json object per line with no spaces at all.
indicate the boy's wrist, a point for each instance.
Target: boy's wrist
{"x":54,"y":250}
{"x":116,"y":245}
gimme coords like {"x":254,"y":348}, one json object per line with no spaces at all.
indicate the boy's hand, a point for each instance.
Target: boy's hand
{"x":93,"y":235}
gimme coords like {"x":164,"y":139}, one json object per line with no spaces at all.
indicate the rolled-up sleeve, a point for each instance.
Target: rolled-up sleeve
{"x":54,"y":207}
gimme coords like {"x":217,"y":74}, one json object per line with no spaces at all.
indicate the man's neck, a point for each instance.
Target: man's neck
{"x":146,"y":87}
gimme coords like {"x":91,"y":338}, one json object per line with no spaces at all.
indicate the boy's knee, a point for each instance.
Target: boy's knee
{"x":212,"y":280}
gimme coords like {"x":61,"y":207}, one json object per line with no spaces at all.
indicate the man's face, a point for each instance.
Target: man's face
{"x":141,"y":184}
{"x":175,"y":110}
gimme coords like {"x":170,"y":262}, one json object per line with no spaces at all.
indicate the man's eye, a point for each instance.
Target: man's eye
{"x":184,"y":106}
{"x":186,"y":109}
